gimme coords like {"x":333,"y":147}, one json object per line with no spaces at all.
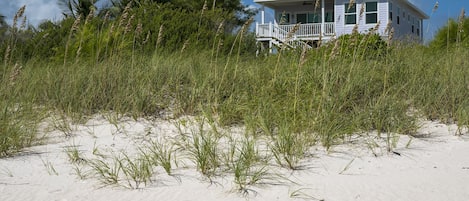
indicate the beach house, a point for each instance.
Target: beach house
{"x":301,"y":22}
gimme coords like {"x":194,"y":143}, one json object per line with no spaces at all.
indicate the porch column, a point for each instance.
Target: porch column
{"x":263,"y":15}
{"x":323,"y":17}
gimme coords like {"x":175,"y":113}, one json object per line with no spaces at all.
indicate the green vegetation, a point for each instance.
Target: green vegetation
{"x":455,"y":32}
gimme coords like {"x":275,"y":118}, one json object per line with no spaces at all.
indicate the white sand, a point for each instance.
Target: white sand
{"x":434,"y":168}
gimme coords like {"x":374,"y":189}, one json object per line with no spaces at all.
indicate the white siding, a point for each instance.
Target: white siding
{"x":404,"y":28}
{"x":342,"y":28}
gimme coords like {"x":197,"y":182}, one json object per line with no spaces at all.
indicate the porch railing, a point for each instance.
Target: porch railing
{"x":304,"y":30}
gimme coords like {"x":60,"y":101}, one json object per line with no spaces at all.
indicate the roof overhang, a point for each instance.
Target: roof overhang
{"x":279,"y":3}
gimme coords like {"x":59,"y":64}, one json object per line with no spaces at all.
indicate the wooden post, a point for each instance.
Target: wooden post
{"x":263,"y":15}
{"x":323,"y":17}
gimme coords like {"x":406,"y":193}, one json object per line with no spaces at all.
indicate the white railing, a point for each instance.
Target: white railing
{"x":304,"y":30}
{"x":287,"y":37}
{"x":329,"y":28}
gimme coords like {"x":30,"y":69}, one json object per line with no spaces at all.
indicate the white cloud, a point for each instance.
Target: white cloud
{"x":36,"y":10}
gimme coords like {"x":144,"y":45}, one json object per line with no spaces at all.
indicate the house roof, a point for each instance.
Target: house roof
{"x":278,"y":3}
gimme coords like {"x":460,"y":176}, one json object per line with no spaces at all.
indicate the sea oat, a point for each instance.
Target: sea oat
{"x":74,"y":28}
{"x":220,"y":44}
{"x":292,"y":32}
{"x":355,"y":29}
{"x":90,"y":16}
{"x":351,"y":4}
{"x":435,"y":7}
{"x":129,"y":24}
{"x":246,"y":24}
{"x":362,"y":10}
{"x":335,"y":49}
{"x":123,"y":19}
{"x":303,"y":55}
{"x":15,"y":73}
{"x":204,"y":7}
{"x":220,"y":28}
{"x":147,"y":38}
{"x":462,"y":15}
{"x":7,"y":54}
{"x":375,"y":28}
{"x":139,"y":29}
{"x":320,"y":40}
{"x":23,"y":23}
{"x":388,"y":27}
{"x":18,"y":15}
{"x":78,"y":53}
{"x":160,"y":36}
{"x":461,"y":25}
{"x":111,"y":30}
{"x":186,"y":43}
{"x":390,"y":36}
{"x":75,"y":25}
{"x":106,"y":17}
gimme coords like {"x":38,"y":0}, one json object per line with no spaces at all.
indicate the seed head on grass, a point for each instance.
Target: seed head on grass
{"x":185,"y":45}
{"x":335,"y":49}
{"x":147,"y":38}
{"x":351,"y":4}
{"x":125,"y":14}
{"x":362,"y":10}
{"x":7,"y":55}
{"x":74,"y":28}
{"x":435,"y":7}
{"x":106,"y":17}
{"x":129,"y":24}
{"x":89,"y":16}
{"x":23,"y":23}
{"x":461,"y":24}
{"x":160,"y":36}
{"x":15,"y":73}
{"x":18,"y":15}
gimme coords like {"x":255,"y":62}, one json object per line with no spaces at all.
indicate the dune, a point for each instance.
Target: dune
{"x":433,"y":167}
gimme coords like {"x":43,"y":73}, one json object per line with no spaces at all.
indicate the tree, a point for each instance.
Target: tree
{"x":239,"y":12}
{"x":75,"y":8}
{"x":453,"y":33}
{"x":3,"y":28}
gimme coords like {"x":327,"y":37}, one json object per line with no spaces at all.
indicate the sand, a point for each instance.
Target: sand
{"x":432,"y":167}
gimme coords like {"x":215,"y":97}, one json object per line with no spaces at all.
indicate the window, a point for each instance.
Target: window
{"x":398,"y":20}
{"x":284,"y":18}
{"x":418,"y":27}
{"x":413,"y":28}
{"x":350,"y":13}
{"x":390,"y":11}
{"x":304,"y":18}
{"x":329,"y":16}
{"x":371,"y":12}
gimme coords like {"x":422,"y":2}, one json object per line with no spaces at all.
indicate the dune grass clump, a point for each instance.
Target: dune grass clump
{"x":18,"y":127}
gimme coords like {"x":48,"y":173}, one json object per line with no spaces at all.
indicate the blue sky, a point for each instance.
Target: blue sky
{"x":38,"y":10}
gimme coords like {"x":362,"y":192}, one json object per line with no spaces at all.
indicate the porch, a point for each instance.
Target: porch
{"x":315,"y":20}
{"x":310,"y":31}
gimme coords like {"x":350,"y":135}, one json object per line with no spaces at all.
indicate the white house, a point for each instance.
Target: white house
{"x":326,"y":19}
